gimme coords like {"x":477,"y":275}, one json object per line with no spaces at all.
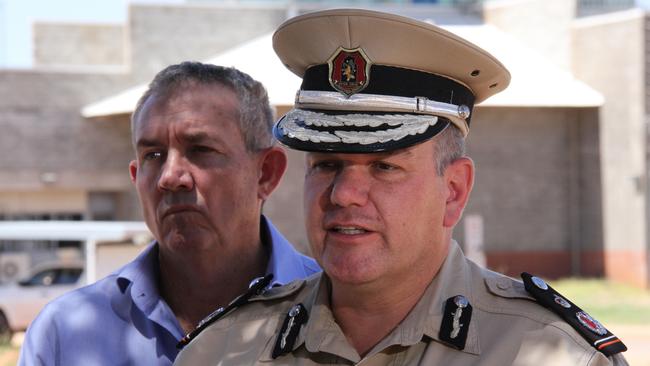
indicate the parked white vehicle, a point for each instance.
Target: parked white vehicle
{"x":21,"y":301}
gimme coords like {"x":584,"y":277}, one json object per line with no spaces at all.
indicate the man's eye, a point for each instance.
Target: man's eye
{"x":382,"y":166}
{"x":201,"y":149}
{"x":152,"y":155}
{"x":325,"y":165}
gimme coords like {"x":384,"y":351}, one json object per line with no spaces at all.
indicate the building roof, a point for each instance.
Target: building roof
{"x":73,"y":230}
{"x":535,"y":81}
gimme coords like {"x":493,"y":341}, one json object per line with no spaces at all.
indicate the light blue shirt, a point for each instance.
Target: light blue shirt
{"x":122,"y":320}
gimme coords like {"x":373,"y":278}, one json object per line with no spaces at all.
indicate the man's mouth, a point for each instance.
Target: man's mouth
{"x":179,"y":209}
{"x":349,"y":230}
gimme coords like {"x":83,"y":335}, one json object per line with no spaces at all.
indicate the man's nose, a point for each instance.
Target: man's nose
{"x":350,"y":187}
{"x":175,"y":174}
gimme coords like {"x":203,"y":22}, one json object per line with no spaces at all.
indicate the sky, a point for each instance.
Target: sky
{"x":17,"y":17}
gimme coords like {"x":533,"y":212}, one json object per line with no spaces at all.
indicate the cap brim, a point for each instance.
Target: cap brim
{"x":327,"y":131}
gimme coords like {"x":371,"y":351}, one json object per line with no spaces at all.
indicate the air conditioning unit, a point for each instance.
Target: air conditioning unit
{"x":13,"y":266}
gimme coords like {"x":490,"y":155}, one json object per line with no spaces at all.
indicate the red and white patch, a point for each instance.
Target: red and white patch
{"x":591,"y":323}
{"x":349,"y":70}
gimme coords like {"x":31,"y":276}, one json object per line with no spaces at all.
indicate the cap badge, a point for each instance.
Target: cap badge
{"x":349,"y":70}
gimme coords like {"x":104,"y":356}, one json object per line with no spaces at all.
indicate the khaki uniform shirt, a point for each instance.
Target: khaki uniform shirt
{"x":507,"y":327}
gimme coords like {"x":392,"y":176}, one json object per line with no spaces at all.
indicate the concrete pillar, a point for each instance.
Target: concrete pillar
{"x":609,"y":54}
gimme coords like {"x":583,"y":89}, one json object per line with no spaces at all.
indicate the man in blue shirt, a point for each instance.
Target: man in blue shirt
{"x":205,"y":163}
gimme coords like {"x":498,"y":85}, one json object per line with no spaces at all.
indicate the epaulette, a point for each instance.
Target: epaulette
{"x":256,"y":287}
{"x":588,"y":327}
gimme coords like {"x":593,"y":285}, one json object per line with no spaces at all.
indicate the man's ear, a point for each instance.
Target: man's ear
{"x":133,"y":170}
{"x":273,"y":164}
{"x":459,"y":180}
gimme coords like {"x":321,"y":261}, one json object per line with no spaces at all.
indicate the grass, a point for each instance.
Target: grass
{"x":9,"y":355}
{"x":609,"y":302}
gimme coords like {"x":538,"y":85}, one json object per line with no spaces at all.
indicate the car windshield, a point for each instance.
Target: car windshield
{"x":58,"y":276}
{"x":68,"y":276}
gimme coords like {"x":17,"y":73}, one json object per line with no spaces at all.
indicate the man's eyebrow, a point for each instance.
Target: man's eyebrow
{"x":191,"y":137}
{"x":144,"y":142}
{"x":197,"y":136}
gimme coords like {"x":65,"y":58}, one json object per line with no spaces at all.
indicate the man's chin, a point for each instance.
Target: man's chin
{"x":351,"y":274}
{"x":190,"y":237}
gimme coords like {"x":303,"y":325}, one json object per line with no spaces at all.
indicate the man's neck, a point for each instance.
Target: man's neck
{"x":367,"y":315}
{"x":195,"y":286}
{"x":369,"y":312}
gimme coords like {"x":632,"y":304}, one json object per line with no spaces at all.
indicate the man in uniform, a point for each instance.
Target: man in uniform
{"x":386,"y":181}
{"x":205,"y":163}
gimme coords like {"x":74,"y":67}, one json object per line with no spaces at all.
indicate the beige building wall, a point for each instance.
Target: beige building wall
{"x":41,"y":201}
{"x":52,"y":159}
{"x":285,"y":206}
{"x":115,"y":255}
{"x":609,"y":53}
{"x":47,"y":144}
{"x":544,"y":25}
{"x":537,"y":189}
{"x":166,"y":34}
{"x":57,"y":44}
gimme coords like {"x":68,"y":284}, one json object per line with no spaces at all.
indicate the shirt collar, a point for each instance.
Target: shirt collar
{"x":322,"y":333}
{"x":284,"y":261}
{"x":142,"y":275}
{"x":425,"y":319}
{"x":143,"y":271}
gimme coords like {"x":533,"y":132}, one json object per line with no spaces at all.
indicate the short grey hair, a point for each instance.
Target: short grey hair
{"x":449,"y":145}
{"x":255,"y":114}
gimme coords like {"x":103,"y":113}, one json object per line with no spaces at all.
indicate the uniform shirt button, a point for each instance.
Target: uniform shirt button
{"x":503,"y":284}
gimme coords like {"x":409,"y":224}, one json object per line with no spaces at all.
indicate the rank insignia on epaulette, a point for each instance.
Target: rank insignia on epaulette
{"x":588,"y":327}
{"x":296,"y":317}
{"x":455,"y":321}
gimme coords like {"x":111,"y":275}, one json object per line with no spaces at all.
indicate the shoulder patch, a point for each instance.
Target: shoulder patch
{"x":589,"y":328}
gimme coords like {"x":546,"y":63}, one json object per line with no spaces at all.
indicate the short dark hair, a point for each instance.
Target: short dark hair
{"x":255,"y":114}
